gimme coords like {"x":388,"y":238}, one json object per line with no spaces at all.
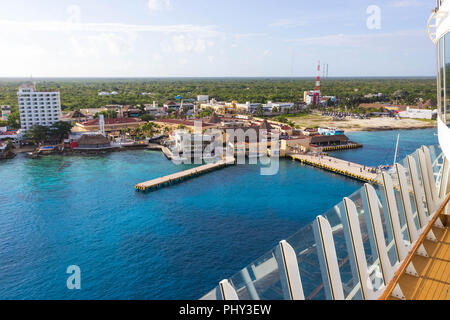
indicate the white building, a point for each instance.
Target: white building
{"x":203,"y":99}
{"x":248,"y":107}
{"x":281,"y":106}
{"x":155,"y":110}
{"x":418,"y":114}
{"x":41,"y":108}
{"x":190,"y":145}
{"x":312,"y":97}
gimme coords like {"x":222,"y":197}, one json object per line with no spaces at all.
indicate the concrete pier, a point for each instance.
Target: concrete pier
{"x":178,"y":177}
{"x":163,"y":149}
{"x":342,"y":147}
{"x":342,"y":167}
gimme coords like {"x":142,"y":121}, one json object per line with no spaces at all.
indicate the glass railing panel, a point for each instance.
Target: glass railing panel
{"x":437,"y":163}
{"x":412,"y":200}
{"x":212,"y":295}
{"x":305,"y":246}
{"x":261,"y":280}
{"x":344,"y":252}
{"x":421,"y":183}
{"x":414,"y":203}
{"x":368,"y":237}
{"x":387,"y":223}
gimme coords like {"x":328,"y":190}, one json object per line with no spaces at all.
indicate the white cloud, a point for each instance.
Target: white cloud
{"x":61,"y":26}
{"x":158,"y":5}
{"x":357,"y":39}
{"x":287,"y":23}
{"x":188,"y":43}
{"x":407,"y":3}
{"x":113,"y":44}
{"x":183,"y":61}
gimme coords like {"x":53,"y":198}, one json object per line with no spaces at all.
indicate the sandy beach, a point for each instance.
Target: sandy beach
{"x":374,"y":124}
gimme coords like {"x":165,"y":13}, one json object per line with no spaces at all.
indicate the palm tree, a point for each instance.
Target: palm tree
{"x":149,"y":129}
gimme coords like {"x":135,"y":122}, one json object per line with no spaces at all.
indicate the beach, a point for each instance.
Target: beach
{"x":352,"y":125}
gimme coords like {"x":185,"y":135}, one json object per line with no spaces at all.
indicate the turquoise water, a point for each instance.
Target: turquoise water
{"x":176,"y":243}
{"x":379,"y":147}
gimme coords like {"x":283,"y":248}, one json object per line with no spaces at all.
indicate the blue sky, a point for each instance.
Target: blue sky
{"x":203,"y":38}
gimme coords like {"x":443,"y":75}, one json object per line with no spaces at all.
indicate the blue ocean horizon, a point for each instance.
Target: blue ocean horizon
{"x":176,"y":243}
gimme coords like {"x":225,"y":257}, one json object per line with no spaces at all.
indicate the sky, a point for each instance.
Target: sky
{"x":214,"y":38}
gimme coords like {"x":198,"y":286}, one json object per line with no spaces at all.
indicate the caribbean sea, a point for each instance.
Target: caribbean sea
{"x":176,"y":243}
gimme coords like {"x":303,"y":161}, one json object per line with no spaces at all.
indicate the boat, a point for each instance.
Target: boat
{"x":330,"y":131}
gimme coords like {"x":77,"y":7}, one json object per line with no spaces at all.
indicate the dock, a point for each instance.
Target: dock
{"x":163,"y":149}
{"x":339,"y":166}
{"x":342,"y":147}
{"x":178,"y":177}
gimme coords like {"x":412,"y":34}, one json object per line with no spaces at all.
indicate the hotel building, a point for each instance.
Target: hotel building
{"x":38,"y":108}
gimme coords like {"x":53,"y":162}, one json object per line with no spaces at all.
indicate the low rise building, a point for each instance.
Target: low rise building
{"x":75,"y":116}
{"x":278,"y":106}
{"x":155,"y":110}
{"x":174,"y":124}
{"x":91,"y":141}
{"x":203,"y":99}
{"x":114,"y":124}
{"x":91,"y":112}
{"x":312,"y":97}
{"x":418,"y":114}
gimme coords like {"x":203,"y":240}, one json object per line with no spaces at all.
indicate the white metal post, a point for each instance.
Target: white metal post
{"x":227,"y":291}
{"x":426,"y":183}
{"x":444,"y":178}
{"x":289,"y":271}
{"x":327,"y":256}
{"x":250,"y":285}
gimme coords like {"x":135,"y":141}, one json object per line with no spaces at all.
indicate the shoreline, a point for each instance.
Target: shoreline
{"x":373,"y":124}
{"x":388,"y":129}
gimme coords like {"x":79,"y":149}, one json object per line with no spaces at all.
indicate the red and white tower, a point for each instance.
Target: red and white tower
{"x":318,"y":78}
{"x":316,"y":94}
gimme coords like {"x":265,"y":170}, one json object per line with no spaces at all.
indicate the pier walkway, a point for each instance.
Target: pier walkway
{"x":339,"y":166}
{"x":164,"y":150}
{"x":352,"y":145}
{"x":178,"y":177}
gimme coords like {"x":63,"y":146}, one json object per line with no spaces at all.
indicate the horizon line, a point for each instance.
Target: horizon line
{"x":209,"y":77}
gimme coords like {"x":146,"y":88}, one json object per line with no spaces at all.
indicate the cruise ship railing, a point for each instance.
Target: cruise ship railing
{"x":353,"y":250}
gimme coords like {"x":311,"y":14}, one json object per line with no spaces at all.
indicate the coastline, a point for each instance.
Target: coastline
{"x":369,"y":125}
{"x":388,"y":128}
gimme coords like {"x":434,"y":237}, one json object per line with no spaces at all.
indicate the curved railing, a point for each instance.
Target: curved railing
{"x":353,"y":250}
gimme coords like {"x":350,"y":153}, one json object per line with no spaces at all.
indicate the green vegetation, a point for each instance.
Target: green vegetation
{"x":147,"y":117}
{"x":55,"y":133}
{"x":14,"y":120}
{"x":108,"y":114}
{"x":206,"y":112}
{"x":83,"y":93}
